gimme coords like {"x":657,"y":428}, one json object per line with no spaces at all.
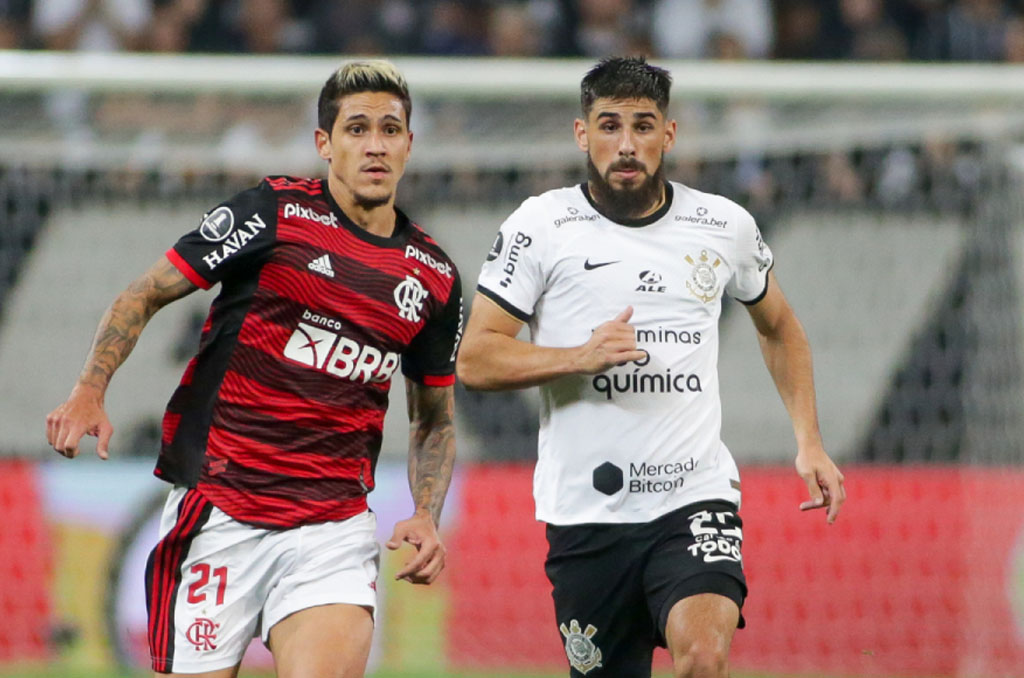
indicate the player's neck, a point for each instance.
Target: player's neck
{"x":655,"y":206}
{"x":378,"y":220}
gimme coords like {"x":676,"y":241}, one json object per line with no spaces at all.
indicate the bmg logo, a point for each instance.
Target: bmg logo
{"x":338,"y":355}
{"x":519,"y":243}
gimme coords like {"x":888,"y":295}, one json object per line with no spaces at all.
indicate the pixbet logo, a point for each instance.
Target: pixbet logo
{"x":442,"y":267}
{"x":338,"y":355}
{"x":294,"y":209}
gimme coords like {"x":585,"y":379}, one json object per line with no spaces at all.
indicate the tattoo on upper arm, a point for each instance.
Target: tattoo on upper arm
{"x":162,"y":284}
{"x":122,"y":324}
{"x":431,"y":444}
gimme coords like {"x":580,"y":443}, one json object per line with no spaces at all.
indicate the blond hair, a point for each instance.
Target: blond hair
{"x":371,"y":75}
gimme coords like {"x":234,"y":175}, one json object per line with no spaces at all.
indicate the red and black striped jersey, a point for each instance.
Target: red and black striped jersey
{"x":279,"y":417}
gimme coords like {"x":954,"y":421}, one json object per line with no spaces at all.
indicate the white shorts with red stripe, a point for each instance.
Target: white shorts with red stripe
{"x":213,"y":584}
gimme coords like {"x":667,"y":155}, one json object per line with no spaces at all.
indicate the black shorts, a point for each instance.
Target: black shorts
{"x":614,"y":584}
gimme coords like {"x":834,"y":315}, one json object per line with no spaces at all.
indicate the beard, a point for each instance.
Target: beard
{"x":628,"y":202}
{"x":367,"y":202}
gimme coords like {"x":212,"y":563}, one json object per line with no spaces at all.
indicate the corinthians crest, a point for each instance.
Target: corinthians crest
{"x":703,"y":280}
{"x":582,"y":653}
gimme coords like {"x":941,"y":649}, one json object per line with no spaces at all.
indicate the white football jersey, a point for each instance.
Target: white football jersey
{"x":642,"y":439}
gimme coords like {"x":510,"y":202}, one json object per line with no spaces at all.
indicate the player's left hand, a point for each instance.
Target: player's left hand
{"x":419,"y":530}
{"x":824,"y":481}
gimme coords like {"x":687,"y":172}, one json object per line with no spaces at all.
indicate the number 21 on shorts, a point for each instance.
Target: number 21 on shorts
{"x":202,"y":571}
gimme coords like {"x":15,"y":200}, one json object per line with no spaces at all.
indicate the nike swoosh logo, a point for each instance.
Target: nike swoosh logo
{"x":587,"y":266}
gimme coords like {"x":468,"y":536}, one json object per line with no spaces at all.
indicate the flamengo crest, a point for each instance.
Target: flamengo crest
{"x":409,"y":296}
{"x":202,"y":634}
{"x":579,"y":648}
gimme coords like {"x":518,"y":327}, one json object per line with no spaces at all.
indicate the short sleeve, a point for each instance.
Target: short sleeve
{"x":430,"y":358}
{"x":513,"y":275}
{"x":232,"y":239}
{"x":753,"y":260}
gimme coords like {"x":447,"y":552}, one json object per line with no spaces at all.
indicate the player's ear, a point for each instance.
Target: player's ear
{"x":323,"y":144}
{"x":580,"y":132}
{"x":670,"y":136}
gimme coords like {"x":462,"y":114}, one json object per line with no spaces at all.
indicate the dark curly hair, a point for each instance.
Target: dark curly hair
{"x":625,"y":78}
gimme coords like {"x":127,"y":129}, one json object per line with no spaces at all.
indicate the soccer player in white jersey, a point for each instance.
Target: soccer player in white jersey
{"x":621,"y":281}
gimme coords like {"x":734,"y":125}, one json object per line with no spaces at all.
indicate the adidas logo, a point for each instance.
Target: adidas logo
{"x":322,"y":265}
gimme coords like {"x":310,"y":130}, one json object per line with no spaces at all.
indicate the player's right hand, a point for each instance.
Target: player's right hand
{"x":82,"y":414}
{"x":612,"y":343}
{"x":420,"y":531}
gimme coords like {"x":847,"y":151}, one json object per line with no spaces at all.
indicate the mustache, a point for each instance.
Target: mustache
{"x":627,"y":165}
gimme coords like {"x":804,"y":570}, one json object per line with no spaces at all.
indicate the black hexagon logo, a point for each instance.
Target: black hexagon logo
{"x":608,"y":478}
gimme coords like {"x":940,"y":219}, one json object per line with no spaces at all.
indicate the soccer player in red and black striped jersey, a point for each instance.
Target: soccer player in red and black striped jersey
{"x":272,"y":437}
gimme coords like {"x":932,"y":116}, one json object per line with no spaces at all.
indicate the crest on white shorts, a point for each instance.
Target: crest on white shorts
{"x":202,"y":634}
{"x":579,"y":648}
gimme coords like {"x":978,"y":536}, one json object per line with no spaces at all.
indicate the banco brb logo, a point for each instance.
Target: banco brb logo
{"x":409,"y":296}
{"x":339,"y":355}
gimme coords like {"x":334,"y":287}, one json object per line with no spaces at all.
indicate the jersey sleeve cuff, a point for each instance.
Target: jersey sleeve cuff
{"x":429,"y":379}
{"x":438,"y":379}
{"x":186,"y":270}
{"x":759,"y":297}
{"x":503,"y":304}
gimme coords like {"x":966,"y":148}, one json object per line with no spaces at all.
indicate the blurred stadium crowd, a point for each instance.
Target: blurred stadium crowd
{"x":887,"y":30}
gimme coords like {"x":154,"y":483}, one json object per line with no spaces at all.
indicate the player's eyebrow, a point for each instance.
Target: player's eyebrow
{"x":362,"y":117}
{"x":615,"y":116}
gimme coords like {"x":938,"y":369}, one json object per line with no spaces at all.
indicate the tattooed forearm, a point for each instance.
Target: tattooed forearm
{"x":431,"y":445}
{"x":121,"y":325}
